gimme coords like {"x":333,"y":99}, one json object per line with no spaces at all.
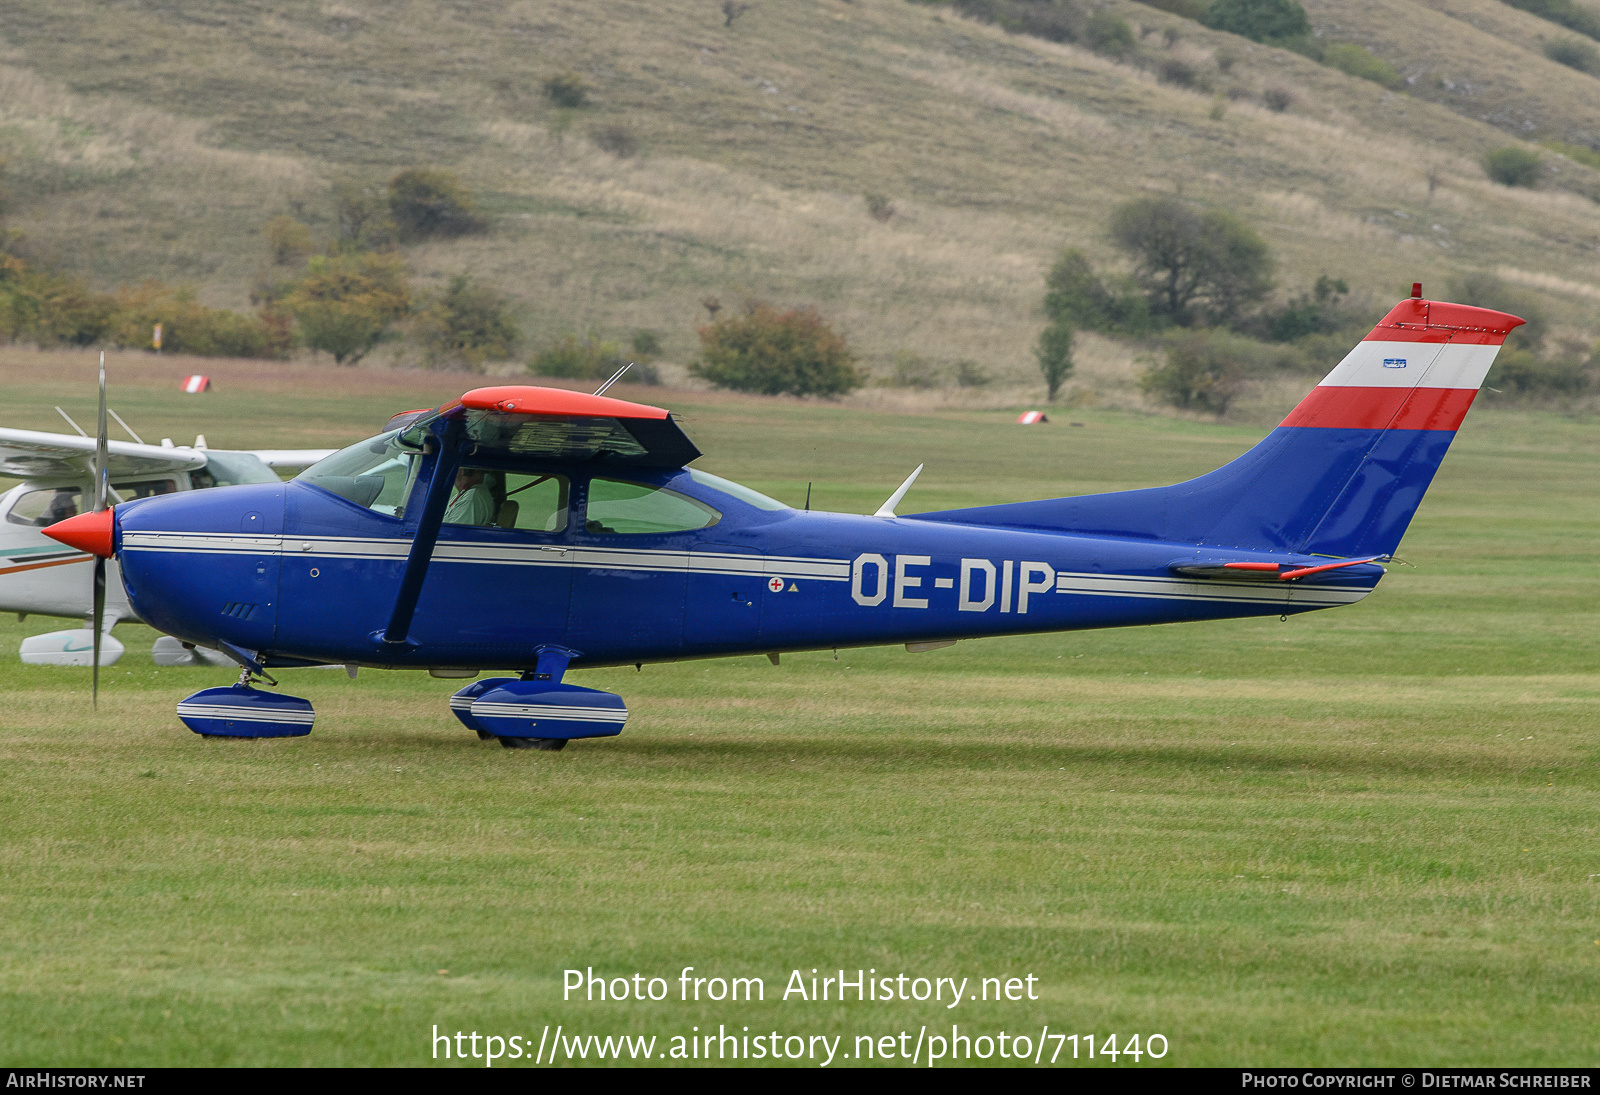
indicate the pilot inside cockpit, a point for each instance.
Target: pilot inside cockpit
{"x":477,"y":497}
{"x":62,"y":506}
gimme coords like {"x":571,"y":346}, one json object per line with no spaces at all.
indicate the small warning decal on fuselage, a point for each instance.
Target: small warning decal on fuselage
{"x":1394,"y":363}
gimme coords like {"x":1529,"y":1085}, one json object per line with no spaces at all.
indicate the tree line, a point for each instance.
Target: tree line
{"x":341,"y":298}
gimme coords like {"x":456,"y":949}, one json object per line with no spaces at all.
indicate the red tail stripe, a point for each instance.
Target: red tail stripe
{"x":1337,"y":408}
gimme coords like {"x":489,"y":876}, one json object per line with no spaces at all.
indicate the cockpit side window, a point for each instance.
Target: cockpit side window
{"x":635,"y":509}
{"x":510,"y":500}
{"x":44,"y":507}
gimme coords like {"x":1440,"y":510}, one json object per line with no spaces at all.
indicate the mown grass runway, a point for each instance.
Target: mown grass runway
{"x":1365,"y":836}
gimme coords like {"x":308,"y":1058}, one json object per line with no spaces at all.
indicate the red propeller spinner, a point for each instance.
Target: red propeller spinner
{"x":91,"y":532}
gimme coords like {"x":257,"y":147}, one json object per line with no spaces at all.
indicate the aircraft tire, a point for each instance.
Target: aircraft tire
{"x":548,"y":745}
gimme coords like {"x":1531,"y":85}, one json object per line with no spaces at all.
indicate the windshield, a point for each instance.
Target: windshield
{"x":377,"y":473}
{"x":738,"y":490}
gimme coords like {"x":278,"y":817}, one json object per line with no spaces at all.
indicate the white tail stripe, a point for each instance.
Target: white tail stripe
{"x":1412,"y":365}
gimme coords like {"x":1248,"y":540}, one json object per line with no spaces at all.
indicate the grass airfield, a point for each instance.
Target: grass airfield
{"x":1364,"y":836}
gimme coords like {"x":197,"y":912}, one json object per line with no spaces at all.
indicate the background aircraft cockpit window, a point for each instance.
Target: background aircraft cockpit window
{"x":738,"y":490}
{"x":44,"y":507}
{"x":626,"y":508}
{"x":377,"y":473}
{"x":229,"y":469}
{"x":511,"y":500}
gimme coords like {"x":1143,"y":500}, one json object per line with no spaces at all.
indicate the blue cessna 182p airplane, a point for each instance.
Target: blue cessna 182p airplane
{"x":542,"y":529}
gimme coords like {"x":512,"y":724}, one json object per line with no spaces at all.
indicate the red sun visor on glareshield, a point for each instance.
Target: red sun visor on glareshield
{"x":91,"y":532}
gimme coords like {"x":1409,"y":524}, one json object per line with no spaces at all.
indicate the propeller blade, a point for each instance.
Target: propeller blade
{"x":102,"y":446}
{"x":98,"y":623}
{"x":102,"y":482}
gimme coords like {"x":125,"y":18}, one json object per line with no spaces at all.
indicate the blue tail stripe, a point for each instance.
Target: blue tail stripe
{"x":1301,"y":489}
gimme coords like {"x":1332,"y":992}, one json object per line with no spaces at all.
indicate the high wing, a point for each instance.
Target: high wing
{"x":561,"y":426}
{"x":29,"y":454}
{"x":289,"y":458}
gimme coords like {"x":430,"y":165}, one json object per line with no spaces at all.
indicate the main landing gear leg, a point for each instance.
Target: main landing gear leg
{"x":551,"y":667}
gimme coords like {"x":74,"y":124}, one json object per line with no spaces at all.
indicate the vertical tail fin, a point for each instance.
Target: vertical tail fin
{"x":1341,"y":476}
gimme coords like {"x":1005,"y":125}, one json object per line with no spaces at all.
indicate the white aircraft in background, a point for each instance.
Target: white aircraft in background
{"x":39,"y":576}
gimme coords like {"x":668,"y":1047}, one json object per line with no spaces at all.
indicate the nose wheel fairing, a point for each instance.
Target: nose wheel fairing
{"x":239,"y":711}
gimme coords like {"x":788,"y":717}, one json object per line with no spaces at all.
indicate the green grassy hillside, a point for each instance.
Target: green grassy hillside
{"x":155,"y":140}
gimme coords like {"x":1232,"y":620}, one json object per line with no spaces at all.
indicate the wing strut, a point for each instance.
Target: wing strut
{"x":421,"y":554}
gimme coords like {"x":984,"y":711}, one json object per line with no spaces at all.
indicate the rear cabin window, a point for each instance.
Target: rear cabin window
{"x":510,"y":500}
{"x":43,"y":508}
{"x":636,"y":509}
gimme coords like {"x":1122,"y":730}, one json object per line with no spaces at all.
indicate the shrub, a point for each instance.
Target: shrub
{"x":1185,"y":260}
{"x":465,"y":326}
{"x":578,"y":359}
{"x":1076,"y":296}
{"x":879,"y":208}
{"x":1574,"y":53}
{"x":1513,"y":166}
{"x":50,"y":309}
{"x":426,"y":203}
{"x":1188,"y":9}
{"x":969,"y":374}
{"x":566,"y":89}
{"x":362,"y":214}
{"x":1206,"y":370}
{"x":1054,"y":354}
{"x":1522,"y":373}
{"x":1277,"y":99}
{"x":1177,"y":72}
{"x":1259,"y":20}
{"x":1058,"y":21}
{"x":646,"y":345}
{"x":1054,"y":22}
{"x":189,"y":327}
{"x":345,"y":303}
{"x":912,"y":371}
{"x":615,"y":139}
{"x":1563,"y":12}
{"x":288,"y":240}
{"x":1109,"y":34}
{"x":1316,"y":312}
{"x":1360,"y":62}
{"x":775,"y":353}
